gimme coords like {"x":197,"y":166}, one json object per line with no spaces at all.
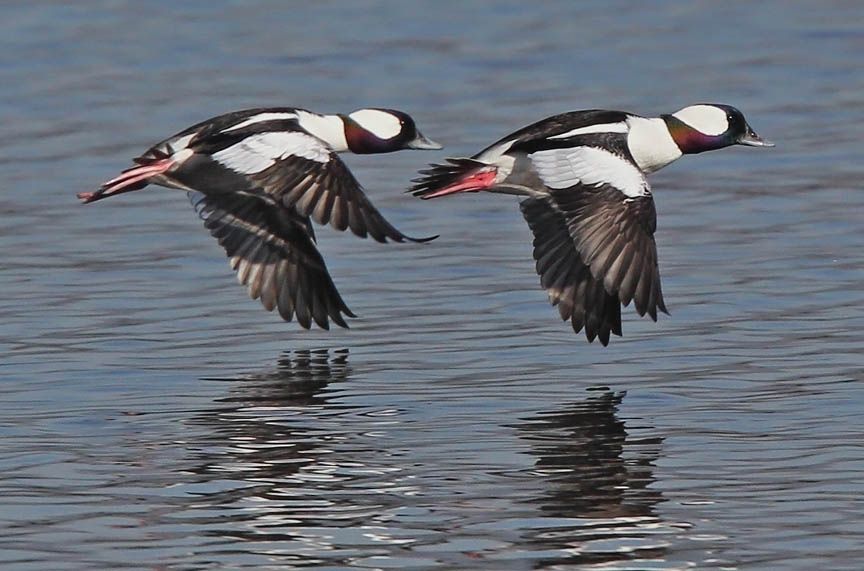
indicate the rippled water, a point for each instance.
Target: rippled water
{"x":151,"y":417}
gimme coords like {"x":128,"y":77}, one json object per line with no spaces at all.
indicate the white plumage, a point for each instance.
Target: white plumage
{"x":563,"y":168}
{"x":261,"y":151}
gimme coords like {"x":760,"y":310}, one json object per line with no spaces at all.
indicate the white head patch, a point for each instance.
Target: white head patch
{"x":704,"y":118}
{"x":380,"y":123}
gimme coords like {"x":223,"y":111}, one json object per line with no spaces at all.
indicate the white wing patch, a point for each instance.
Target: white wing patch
{"x":182,"y":142}
{"x":620,"y":127}
{"x":177,"y":148}
{"x":563,"y":168}
{"x":260,"y":118}
{"x":492,"y":154}
{"x":259,"y":152}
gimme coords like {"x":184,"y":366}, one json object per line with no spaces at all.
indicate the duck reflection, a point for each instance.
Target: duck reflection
{"x":290,"y":467}
{"x":262,"y":432}
{"x":295,"y":381}
{"x":273,"y":445}
{"x":596,"y":493}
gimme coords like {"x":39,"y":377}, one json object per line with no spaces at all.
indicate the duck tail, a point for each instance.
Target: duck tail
{"x":459,"y":175}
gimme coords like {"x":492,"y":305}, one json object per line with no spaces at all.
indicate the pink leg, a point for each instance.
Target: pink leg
{"x":128,"y":181}
{"x":473,"y":182}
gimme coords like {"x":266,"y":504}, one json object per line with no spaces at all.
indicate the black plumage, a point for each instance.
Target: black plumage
{"x":594,"y":243}
{"x":274,"y":255}
{"x":258,"y":178}
{"x":594,"y":252}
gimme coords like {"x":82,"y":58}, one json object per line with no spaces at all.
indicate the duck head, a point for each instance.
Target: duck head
{"x":710,"y":126}
{"x":370,"y":131}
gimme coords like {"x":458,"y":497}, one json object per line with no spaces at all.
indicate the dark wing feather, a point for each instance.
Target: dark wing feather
{"x":595,"y":251}
{"x":572,"y":287}
{"x":615,"y":237}
{"x":275,"y":257}
{"x":329,"y":194}
{"x":556,"y":125}
{"x":280,"y":162}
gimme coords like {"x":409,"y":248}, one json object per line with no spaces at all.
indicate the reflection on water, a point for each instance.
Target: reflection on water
{"x":290,"y":468}
{"x":596,"y":484}
{"x":297,"y":472}
{"x":580,"y":450}
{"x":458,"y":433}
{"x":298,"y":376}
{"x":262,"y":431}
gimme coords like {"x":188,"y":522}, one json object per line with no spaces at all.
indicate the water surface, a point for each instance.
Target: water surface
{"x":152,"y":417}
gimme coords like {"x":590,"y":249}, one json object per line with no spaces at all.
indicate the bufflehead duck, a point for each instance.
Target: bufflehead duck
{"x":259,"y":177}
{"x":587,"y":201}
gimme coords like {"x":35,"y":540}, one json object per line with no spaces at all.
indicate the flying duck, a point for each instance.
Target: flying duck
{"x":582,"y":179}
{"x":259,"y":177}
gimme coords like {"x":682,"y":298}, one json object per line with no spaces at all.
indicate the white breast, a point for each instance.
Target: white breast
{"x":651,"y":144}
{"x":328,"y":128}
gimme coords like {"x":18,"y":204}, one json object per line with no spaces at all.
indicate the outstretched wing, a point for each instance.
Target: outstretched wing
{"x":579,"y":296}
{"x":329,"y":194}
{"x":594,"y":238}
{"x":274,"y":255}
{"x":297,"y":170}
{"x":595,"y":255}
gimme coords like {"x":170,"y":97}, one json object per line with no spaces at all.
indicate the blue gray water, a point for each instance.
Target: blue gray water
{"x":153,"y":417}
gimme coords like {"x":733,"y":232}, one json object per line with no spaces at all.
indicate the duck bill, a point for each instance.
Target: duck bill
{"x":424,"y":143}
{"x":751,"y":139}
